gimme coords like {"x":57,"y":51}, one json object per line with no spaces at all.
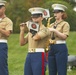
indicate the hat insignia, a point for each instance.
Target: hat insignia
{"x":33,"y":9}
{"x":45,"y":13}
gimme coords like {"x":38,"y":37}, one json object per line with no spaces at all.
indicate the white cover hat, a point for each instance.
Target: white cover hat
{"x":39,"y":10}
{"x":2,"y":2}
{"x":59,"y":7}
{"x":36,"y":10}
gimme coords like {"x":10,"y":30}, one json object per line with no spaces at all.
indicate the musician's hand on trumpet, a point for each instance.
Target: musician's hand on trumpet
{"x":22,"y":26}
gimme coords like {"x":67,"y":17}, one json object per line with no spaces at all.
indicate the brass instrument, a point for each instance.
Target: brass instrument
{"x":48,"y":41}
{"x":48,"y":22}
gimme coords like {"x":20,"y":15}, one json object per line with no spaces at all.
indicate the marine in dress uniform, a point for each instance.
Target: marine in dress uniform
{"x":5,"y":30}
{"x":35,"y":60}
{"x":57,"y":56}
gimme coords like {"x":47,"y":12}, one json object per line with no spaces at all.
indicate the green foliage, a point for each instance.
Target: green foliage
{"x":17,"y":11}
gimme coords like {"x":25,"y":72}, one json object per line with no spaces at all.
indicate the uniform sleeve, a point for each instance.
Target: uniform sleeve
{"x":9,"y":25}
{"x":66,"y":29}
{"x":43,"y":33}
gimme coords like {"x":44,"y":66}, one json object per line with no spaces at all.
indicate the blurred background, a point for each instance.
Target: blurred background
{"x":17,"y":10}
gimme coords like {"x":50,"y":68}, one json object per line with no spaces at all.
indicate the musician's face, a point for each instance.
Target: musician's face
{"x":58,"y":15}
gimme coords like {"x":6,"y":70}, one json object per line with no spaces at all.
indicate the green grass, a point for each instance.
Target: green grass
{"x":17,"y":54}
{"x":71,"y":43}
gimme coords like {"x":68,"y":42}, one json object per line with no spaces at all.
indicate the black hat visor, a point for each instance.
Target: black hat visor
{"x":36,"y":15}
{"x":57,"y":11}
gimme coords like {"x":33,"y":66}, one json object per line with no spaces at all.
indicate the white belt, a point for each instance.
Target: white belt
{"x":36,"y":50}
{"x":3,"y":41}
{"x":60,"y":42}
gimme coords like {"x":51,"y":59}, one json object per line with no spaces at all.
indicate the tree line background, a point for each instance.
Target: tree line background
{"x":17,"y":11}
